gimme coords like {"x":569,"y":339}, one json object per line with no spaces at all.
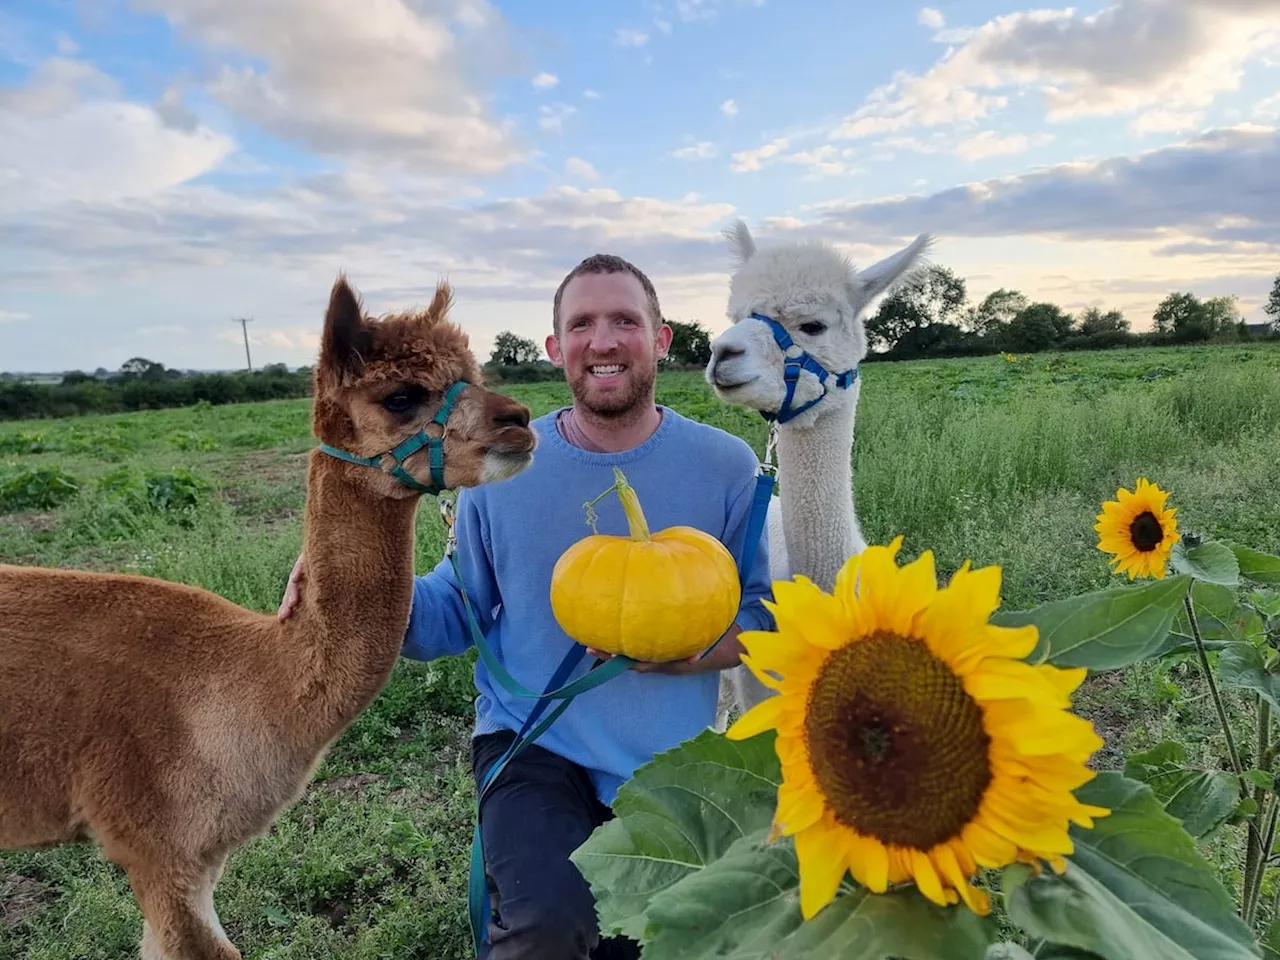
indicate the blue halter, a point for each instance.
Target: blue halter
{"x":411,"y":445}
{"x":791,"y":372}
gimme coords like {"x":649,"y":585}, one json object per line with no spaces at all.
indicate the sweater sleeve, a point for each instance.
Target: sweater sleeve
{"x":757,"y":584}
{"x":438,"y":624}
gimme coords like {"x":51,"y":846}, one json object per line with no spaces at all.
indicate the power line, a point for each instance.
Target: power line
{"x":244,"y":321}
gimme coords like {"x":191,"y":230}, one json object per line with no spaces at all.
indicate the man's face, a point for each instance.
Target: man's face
{"x":607,"y":345}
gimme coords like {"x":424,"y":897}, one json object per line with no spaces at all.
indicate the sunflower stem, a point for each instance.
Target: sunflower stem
{"x":1251,"y":901}
{"x":1255,"y":853}
{"x":1216,"y":694}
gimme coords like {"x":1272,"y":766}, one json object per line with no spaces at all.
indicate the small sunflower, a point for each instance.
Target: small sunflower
{"x":915,"y":743}
{"x":1138,"y":530}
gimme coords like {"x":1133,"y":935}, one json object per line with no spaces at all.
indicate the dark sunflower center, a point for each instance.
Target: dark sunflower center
{"x":896,"y":744}
{"x":1146,"y":532}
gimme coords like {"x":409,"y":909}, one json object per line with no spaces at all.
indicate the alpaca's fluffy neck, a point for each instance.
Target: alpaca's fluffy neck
{"x":355,"y":597}
{"x":815,"y":473}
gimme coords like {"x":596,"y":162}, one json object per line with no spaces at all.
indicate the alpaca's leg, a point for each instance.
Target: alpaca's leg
{"x":180,"y":923}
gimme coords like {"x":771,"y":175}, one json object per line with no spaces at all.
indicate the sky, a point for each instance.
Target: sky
{"x":170,"y":166}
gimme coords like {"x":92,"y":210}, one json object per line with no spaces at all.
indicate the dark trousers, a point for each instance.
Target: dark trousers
{"x":539,"y":809}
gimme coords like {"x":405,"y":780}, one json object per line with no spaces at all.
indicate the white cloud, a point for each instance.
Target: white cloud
{"x":1268,"y":109}
{"x":702,"y":150}
{"x":545,"y":81}
{"x":1218,"y":189}
{"x":988,"y":144}
{"x":729,"y":108}
{"x":745,"y":160}
{"x":1133,"y":55}
{"x":551,"y":117}
{"x":13,"y":316}
{"x":577,"y":167}
{"x":591,"y":94}
{"x":931,"y":18}
{"x":1165,"y":121}
{"x":46,"y":127}
{"x":392,"y":79}
{"x":630,"y":38}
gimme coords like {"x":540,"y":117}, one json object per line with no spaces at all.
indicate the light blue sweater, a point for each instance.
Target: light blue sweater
{"x":510,"y":535}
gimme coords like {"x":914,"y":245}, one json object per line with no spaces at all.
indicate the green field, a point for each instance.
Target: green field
{"x":997,"y":461}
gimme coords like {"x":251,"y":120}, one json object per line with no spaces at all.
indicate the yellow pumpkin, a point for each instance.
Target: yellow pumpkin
{"x":658,"y":597}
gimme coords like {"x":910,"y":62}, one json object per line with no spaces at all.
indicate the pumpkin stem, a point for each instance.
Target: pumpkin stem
{"x":636,"y":523}
{"x":631,"y":506}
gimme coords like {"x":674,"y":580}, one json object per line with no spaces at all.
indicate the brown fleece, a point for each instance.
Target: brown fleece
{"x":169,"y":724}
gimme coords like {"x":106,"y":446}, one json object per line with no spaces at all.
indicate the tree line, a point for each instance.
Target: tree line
{"x":930,"y":316}
{"x":143,"y":384}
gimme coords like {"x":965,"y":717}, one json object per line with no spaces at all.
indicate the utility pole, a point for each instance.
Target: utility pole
{"x":243,"y":321}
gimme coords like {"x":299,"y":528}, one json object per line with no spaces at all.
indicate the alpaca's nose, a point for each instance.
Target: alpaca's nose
{"x":513,"y":416}
{"x":721,"y":352}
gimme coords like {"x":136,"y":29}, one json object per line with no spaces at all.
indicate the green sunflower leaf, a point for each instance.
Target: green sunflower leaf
{"x":678,"y":812}
{"x":686,"y":869}
{"x":1255,"y":565}
{"x":1202,"y":800}
{"x":1105,"y":629}
{"x":1221,"y":617}
{"x":1135,"y":888}
{"x":1208,"y":562}
{"x":1241,"y":666}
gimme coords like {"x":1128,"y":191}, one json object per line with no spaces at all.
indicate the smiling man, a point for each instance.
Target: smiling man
{"x":608,"y":336}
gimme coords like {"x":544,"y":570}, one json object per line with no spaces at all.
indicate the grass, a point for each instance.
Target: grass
{"x":982,"y":458}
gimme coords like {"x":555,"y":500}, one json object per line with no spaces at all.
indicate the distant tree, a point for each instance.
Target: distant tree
{"x":1222,"y":315}
{"x":510,"y":350}
{"x":1188,"y":318}
{"x":72,"y":377}
{"x":1038,"y":327}
{"x":1272,"y":309}
{"x":1094,"y":321}
{"x":690,"y":343}
{"x":934,"y":296}
{"x":996,"y":312}
{"x":143,"y":369}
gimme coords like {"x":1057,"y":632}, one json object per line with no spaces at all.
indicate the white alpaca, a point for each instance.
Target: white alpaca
{"x":808,"y":296}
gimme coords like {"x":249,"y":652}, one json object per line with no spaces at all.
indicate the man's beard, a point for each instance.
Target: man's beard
{"x":617,"y":407}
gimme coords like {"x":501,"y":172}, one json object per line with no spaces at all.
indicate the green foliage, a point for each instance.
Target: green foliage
{"x":1135,"y":888}
{"x":690,"y":344}
{"x":982,"y":458}
{"x":42,"y":488}
{"x":510,"y":350}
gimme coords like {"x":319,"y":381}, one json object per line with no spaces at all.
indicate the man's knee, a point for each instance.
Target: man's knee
{"x":549,"y":934}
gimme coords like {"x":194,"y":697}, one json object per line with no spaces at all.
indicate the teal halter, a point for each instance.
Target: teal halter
{"x":411,"y":445}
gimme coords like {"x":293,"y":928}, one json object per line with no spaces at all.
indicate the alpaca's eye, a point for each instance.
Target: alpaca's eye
{"x":813,"y":327}
{"x":398,"y":402}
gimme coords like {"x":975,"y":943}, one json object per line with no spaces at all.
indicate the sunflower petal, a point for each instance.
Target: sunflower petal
{"x":820,"y":872}
{"x":763,"y":716}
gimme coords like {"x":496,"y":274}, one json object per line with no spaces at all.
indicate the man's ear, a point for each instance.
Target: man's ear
{"x":552,"y":343}
{"x":663,"y":339}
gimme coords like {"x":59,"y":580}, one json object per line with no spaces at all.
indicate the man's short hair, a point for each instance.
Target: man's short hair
{"x":607,"y":263}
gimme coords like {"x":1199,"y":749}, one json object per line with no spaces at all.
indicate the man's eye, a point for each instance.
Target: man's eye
{"x":813,"y":327}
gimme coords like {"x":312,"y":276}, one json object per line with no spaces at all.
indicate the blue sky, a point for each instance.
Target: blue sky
{"x":168,"y":165}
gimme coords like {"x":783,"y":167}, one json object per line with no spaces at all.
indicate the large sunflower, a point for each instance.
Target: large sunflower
{"x":1138,"y":530}
{"x":914,"y":743}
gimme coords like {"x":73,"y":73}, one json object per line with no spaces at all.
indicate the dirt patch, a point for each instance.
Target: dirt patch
{"x":33,"y":522}
{"x":349,"y":784}
{"x":21,"y":898}
{"x":266,"y":465}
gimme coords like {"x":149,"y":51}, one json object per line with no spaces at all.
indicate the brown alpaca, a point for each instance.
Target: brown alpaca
{"x":171,"y":725}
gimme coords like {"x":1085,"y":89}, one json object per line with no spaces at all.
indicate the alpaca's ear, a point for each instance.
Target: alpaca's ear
{"x":741,"y":247}
{"x":345,"y":339}
{"x":866,"y":285}
{"x":440,"y":303}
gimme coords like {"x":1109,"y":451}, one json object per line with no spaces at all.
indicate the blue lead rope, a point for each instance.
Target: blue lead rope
{"x":478,"y":903}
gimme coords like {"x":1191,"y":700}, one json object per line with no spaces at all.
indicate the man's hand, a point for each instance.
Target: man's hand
{"x":291,"y":593}
{"x":727,"y":653}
